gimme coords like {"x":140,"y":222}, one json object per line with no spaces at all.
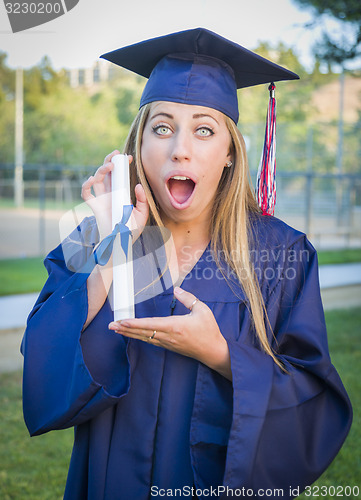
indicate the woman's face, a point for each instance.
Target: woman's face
{"x":184,"y":151}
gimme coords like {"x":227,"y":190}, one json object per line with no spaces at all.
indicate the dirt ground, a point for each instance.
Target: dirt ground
{"x":20,"y":232}
{"x":29,"y":232}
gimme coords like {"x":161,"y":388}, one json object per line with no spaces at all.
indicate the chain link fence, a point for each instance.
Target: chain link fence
{"x":327,"y":207}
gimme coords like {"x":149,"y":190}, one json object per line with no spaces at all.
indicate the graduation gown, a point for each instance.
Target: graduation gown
{"x":146,"y":418}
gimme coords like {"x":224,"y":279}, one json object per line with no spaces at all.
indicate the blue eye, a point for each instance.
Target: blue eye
{"x":205,"y":132}
{"x":161,"y":129}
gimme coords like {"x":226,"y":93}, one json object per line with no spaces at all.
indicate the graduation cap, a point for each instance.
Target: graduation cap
{"x":202,"y":68}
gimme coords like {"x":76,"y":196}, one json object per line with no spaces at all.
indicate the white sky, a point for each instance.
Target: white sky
{"x":93,"y":27}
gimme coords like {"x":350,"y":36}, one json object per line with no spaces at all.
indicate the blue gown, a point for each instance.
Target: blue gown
{"x":148,"y":420}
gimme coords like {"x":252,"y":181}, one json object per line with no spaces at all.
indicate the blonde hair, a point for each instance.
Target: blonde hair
{"x":230,"y":226}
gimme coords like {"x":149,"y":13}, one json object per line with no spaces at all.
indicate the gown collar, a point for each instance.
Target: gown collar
{"x":205,"y":280}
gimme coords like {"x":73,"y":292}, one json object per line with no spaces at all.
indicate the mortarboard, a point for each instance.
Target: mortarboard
{"x":197,"y":66}
{"x":202,"y":68}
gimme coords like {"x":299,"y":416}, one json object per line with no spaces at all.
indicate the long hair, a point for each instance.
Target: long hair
{"x":230,"y":226}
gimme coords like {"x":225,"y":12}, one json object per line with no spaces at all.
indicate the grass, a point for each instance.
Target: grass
{"x":341,"y":256}
{"x":36,"y":468}
{"x":22,"y":275}
{"x":28,"y":274}
{"x":30,"y":468}
{"x":345,"y":348}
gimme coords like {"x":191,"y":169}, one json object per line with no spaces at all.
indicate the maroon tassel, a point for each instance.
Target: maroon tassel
{"x":266,"y":176}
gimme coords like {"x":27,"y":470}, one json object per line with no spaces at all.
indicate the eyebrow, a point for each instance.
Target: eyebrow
{"x":203,"y":115}
{"x":195,"y":116}
{"x":167,"y":115}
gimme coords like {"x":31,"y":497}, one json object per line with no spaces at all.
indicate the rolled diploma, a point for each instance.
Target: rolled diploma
{"x":123,"y":286}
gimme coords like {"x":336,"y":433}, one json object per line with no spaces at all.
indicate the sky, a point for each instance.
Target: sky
{"x":93,"y":27}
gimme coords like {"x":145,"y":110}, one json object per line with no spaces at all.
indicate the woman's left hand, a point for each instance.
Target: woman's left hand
{"x":195,"y":335}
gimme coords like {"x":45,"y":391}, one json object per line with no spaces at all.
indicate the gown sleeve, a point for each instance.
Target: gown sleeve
{"x":287,"y":425}
{"x":70,"y":376}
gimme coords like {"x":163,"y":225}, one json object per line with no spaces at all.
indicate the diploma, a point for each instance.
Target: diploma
{"x":123,"y":286}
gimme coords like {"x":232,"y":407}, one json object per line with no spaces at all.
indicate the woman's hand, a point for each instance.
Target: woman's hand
{"x":100,"y":280}
{"x":196,"y":334}
{"x":101,"y":201}
{"x":140,"y":212}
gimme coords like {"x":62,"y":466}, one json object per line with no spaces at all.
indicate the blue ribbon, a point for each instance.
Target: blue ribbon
{"x":104,"y":250}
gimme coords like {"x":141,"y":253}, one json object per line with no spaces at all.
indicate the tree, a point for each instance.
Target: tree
{"x":126,"y":102}
{"x":40,"y":81}
{"x":293,"y":97}
{"x":345,"y":44}
{"x":69,"y":128}
{"x":7,"y":79}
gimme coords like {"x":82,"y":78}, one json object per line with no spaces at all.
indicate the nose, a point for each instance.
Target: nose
{"x":181,"y":147}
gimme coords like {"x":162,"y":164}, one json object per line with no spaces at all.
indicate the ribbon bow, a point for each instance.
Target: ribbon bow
{"x":102,"y":253}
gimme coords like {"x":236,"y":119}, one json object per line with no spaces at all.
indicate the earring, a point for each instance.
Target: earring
{"x":228,"y":164}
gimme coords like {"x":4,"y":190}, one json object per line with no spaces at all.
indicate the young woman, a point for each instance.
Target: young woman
{"x":222,"y":382}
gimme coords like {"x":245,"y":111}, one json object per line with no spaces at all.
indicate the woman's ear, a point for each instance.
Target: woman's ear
{"x":230,"y":155}
{"x":229,"y":161}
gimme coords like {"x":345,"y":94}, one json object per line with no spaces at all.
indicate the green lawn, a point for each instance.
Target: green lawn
{"x":28,"y":274}
{"x":339,"y":256}
{"x":22,"y":275}
{"x":30,"y":468}
{"x":344,"y":330}
{"x":36,"y":468}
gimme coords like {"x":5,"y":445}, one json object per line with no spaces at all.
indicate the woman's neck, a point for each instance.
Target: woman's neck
{"x":192,"y":233}
{"x":188,"y":242}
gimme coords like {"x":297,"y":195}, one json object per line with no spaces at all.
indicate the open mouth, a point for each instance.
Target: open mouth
{"x":181,"y":188}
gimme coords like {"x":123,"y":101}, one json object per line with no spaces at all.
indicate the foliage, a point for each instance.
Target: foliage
{"x":344,"y":10}
{"x":72,"y":129}
{"x":63,"y":125}
{"x":7,"y":87}
{"x":293,"y":105}
{"x":126,"y":103}
{"x":79,"y":126}
{"x":293,"y":97}
{"x":346,"y":43}
{"x":40,"y":81}
{"x":7,"y":127}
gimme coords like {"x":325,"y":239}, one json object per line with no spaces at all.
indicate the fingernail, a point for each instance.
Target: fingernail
{"x":178,"y":291}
